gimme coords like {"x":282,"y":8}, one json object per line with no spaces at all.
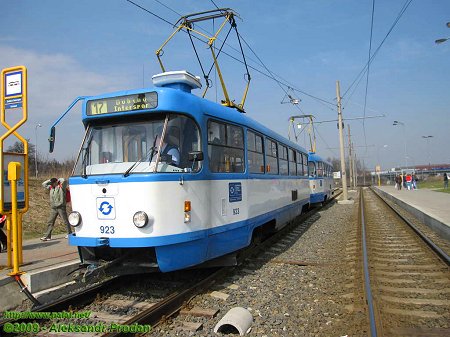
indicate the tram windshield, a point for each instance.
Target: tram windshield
{"x":136,"y":146}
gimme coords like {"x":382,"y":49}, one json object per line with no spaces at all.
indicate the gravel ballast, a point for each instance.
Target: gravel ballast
{"x":306,"y":284}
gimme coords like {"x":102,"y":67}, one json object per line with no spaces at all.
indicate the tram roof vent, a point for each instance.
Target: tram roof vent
{"x":180,"y":79}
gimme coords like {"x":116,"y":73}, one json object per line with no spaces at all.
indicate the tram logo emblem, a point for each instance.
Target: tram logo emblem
{"x":106,"y":209}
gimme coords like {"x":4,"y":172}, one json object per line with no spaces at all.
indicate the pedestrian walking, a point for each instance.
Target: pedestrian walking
{"x":3,"y":237}
{"x":409,"y":181}
{"x":445,"y":180}
{"x":57,"y":188}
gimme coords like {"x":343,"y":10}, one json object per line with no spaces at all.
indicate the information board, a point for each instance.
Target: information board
{"x":9,"y":157}
{"x":14,"y":104}
{"x":143,"y":101}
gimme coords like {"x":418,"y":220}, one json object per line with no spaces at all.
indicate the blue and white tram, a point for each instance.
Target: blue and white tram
{"x":169,"y":178}
{"x":320,"y":178}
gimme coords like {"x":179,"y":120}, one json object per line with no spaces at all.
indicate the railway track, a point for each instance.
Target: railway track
{"x":407,"y":282}
{"x":133,"y":303}
{"x":163,"y":296}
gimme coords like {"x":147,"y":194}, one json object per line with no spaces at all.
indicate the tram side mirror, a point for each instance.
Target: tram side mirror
{"x":195,"y":156}
{"x":51,"y":139}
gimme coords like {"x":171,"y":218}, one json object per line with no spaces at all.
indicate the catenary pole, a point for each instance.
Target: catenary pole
{"x":341,"y":144}
{"x":355,"y":172}
{"x":350,"y":157}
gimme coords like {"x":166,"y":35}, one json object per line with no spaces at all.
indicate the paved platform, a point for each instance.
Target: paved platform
{"x":46,"y":265}
{"x":431,"y":207}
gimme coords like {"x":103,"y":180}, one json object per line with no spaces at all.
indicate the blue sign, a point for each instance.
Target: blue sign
{"x":13,"y":103}
{"x":234,"y":192}
{"x":106,"y":209}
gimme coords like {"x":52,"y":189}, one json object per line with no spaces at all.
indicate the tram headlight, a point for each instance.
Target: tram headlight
{"x":140,"y":219}
{"x":74,"y":219}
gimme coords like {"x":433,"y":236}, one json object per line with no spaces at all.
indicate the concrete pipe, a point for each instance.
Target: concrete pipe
{"x":238,"y":318}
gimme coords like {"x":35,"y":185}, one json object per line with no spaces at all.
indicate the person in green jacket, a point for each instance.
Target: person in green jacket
{"x":57,"y":189}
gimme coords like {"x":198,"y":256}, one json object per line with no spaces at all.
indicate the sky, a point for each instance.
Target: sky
{"x":90,"y":47}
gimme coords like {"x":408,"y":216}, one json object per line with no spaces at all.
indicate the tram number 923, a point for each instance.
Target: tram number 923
{"x":107,"y":230}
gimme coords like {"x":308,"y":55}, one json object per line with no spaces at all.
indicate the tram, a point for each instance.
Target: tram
{"x":320,"y":178}
{"x":166,"y":178}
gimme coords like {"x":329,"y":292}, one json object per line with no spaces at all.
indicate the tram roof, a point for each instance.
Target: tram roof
{"x":175,"y":100}
{"x":312,"y":156}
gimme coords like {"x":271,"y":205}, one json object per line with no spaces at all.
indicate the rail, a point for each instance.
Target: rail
{"x":439,"y":252}
{"x":368,"y":288}
{"x":173,"y":303}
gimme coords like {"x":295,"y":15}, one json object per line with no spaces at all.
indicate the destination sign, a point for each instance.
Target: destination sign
{"x":143,"y":101}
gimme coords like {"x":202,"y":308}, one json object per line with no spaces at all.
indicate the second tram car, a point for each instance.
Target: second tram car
{"x":320,"y":178}
{"x":168,"y":178}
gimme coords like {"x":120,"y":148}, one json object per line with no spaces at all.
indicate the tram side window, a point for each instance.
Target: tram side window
{"x":292,"y":164}
{"x":305,"y":164}
{"x":271,"y":157}
{"x":320,"y":169}
{"x":255,"y":153}
{"x":298,"y":160}
{"x":312,"y":169}
{"x":283,"y":153}
{"x":225,"y":148}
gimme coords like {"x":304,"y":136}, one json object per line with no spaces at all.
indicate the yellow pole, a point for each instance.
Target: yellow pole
{"x":13,"y":176}
{"x":9,"y":240}
{"x":20,"y":238}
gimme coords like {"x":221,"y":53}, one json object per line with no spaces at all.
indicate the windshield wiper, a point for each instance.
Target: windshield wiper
{"x":85,"y":160}
{"x":86,"y":156}
{"x":152,"y":150}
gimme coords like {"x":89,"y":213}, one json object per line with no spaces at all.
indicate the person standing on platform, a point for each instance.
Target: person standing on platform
{"x":445,"y":180}
{"x":409,"y":182}
{"x":3,"y":237}
{"x":400,"y":182}
{"x":58,"y":201}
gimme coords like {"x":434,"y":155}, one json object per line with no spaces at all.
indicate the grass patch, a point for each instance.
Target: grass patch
{"x":435,"y":184}
{"x":431,"y":184}
{"x":447,"y":190}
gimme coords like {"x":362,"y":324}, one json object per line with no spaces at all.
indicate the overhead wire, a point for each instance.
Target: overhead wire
{"x":150,"y":12}
{"x":364,"y":69}
{"x":270,"y":76}
{"x":170,"y":9}
{"x":267,"y":69}
{"x":368,"y":72}
{"x":214,"y":4}
{"x":326,"y":144}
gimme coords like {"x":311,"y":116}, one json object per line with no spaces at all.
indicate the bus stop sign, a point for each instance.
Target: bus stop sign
{"x":14,"y":102}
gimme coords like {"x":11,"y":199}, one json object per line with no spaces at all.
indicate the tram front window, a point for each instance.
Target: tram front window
{"x":134,"y":147}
